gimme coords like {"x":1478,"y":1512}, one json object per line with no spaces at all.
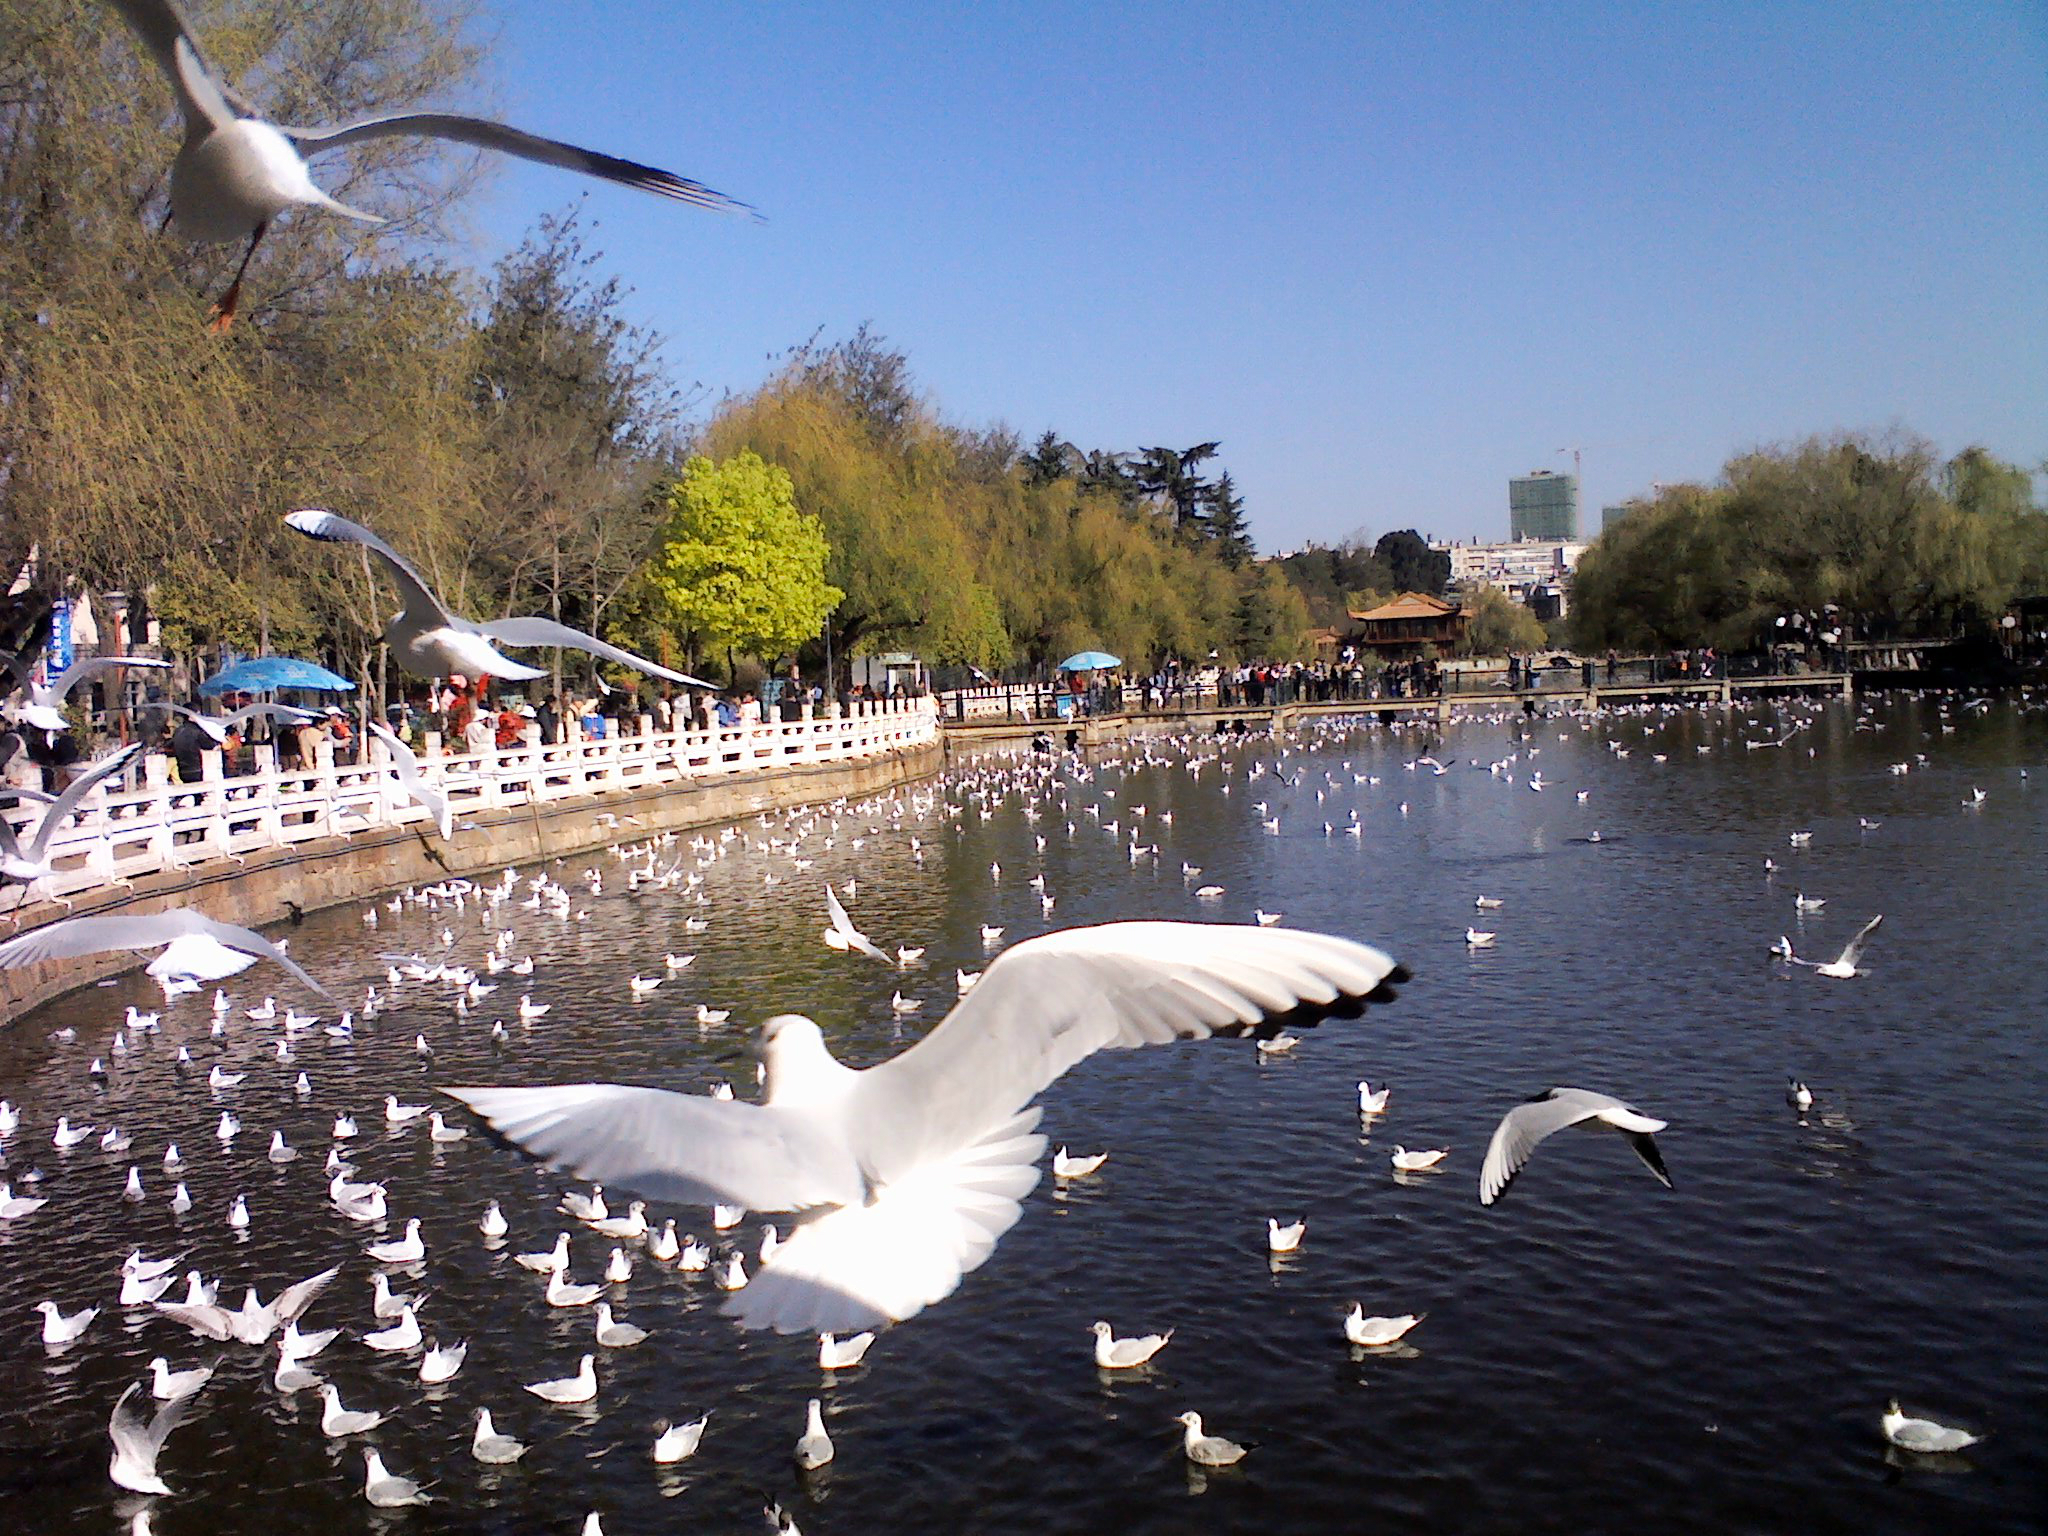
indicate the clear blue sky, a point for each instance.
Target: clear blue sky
{"x":1388,"y":254}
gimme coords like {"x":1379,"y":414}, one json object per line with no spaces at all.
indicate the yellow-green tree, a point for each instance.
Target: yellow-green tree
{"x":1495,"y":623}
{"x":740,"y":567}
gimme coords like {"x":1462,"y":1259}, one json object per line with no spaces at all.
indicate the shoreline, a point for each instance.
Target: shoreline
{"x":263,"y":888}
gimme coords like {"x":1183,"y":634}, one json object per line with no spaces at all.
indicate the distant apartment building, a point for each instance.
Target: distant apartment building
{"x":1544,"y":505}
{"x":1534,"y":572}
{"x":1609,"y":516}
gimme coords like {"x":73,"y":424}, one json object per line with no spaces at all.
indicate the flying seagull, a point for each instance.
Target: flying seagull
{"x":432,"y":642}
{"x":184,"y":928}
{"x":218,"y":726}
{"x":407,"y":767}
{"x":1515,"y":1139}
{"x":235,"y":172}
{"x":1843,"y":966}
{"x":910,"y":1171}
{"x":31,"y":861}
{"x":44,"y":709}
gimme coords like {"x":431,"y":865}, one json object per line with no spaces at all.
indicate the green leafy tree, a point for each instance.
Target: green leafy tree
{"x":739,"y":566}
{"x":1272,"y":619}
{"x":1495,"y":623}
{"x":1411,"y":564}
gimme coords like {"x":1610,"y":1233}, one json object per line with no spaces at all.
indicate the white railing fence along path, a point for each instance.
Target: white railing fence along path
{"x":166,"y":826}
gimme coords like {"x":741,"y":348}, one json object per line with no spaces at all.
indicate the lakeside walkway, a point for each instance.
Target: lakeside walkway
{"x":161,"y":827}
{"x":1000,"y":714}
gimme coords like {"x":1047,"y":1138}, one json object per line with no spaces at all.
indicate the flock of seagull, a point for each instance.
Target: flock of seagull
{"x":902,"y":1176}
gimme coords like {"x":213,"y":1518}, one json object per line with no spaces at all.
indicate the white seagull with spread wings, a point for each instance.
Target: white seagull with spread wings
{"x":908,"y":1172}
{"x":432,"y":642}
{"x":842,"y":935}
{"x":200,"y":943}
{"x":30,"y":861}
{"x":45,"y":707}
{"x":235,"y":172}
{"x":1526,"y":1126}
{"x":218,"y":726}
{"x":1843,"y":966}
{"x":413,"y":782}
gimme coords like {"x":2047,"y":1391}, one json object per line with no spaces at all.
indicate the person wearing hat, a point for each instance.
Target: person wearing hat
{"x":307,"y":739}
{"x":341,"y":733}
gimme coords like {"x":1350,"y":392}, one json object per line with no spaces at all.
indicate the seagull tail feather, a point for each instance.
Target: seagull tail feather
{"x":864,"y":1266}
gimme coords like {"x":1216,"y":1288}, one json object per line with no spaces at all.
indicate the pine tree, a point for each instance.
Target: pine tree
{"x":1226,"y":522}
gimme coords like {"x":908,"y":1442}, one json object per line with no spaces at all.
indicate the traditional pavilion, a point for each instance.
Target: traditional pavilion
{"x":1411,"y":625}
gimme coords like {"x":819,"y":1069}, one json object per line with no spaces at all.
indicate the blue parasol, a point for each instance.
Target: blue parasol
{"x":266,"y":674}
{"x":1090,"y":661}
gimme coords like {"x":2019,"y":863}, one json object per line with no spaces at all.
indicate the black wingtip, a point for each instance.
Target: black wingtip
{"x":1646,"y":1149}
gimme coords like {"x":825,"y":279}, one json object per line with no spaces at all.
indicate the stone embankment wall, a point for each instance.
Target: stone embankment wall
{"x":264,"y":887}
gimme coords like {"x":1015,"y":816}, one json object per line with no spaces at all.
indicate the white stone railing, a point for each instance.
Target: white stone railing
{"x":167,"y":826}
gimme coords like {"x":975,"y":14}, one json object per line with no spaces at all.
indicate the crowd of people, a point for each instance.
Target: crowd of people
{"x":466,"y":715}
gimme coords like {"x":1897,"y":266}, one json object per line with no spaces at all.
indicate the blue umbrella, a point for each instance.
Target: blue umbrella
{"x":266,"y":674}
{"x":1090,"y":661}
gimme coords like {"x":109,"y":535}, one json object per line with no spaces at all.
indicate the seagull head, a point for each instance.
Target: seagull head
{"x":796,"y":1066}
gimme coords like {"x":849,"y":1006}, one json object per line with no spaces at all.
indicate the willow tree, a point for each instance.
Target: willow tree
{"x":140,"y":450}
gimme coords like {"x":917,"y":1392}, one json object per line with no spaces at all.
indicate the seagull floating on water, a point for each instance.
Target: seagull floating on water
{"x":1206,"y":1450}
{"x":677,"y":1442}
{"x":1067,"y":1166}
{"x":139,"y":1441}
{"x":1416,"y":1162}
{"x":1924,"y":1435}
{"x":814,"y":1449}
{"x":1285,"y":1239}
{"x":1115,"y":1354}
{"x":490,"y":1447}
{"x":580,"y":1388}
{"x":1376,"y":1332}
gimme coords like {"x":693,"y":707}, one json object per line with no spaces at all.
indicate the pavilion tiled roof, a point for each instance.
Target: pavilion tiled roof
{"x":1409,"y":605}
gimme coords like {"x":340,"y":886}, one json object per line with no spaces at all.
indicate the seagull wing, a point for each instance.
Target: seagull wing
{"x":203,"y":97}
{"x":1050,"y":1002}
{"x":292,"y":1304}
{"x":73,"y":936}
{"x":61,"y":809}
{"x":78,"y":672}
{"x":419,"y":597}
{"x":212,"y":1322}
{"x":142,"y":1438}
{"x":1853,"y":950}
{"x":548,"y":632}
{"x":410,"y":780}
{"x":674,"y":1146}
{"x":264,"y":712}
{"x":1520,"y":1131}
{"x":843,"y":925}
{"x":484,"y":134}
{"x":17,"y":669}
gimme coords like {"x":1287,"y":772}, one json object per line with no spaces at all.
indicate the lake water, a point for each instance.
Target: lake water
{"x":1599,"y":1354}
